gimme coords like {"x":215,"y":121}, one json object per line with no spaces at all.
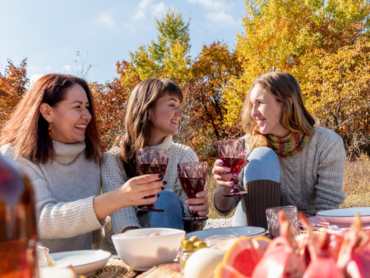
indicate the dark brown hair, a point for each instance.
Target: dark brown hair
{"x":27,"y":130}
{"x":295,"y":117}
{"x":137,"y":125}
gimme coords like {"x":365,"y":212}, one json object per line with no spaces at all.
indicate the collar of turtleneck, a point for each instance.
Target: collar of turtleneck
{"x":66,"y":153}
{"x":165,"y":145}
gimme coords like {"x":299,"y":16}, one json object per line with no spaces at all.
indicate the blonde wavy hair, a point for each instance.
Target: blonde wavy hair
{"x":295,"y":117}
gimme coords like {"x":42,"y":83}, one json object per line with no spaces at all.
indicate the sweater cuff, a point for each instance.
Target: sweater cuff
{"x":124,"y":218}
{"x":236,"y":200}
{"x":90,"y":215}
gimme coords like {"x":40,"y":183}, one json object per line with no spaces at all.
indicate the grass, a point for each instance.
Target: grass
{"x":356,"y":185}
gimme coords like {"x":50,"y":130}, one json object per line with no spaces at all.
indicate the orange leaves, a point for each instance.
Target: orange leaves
{"x":13,"y":83}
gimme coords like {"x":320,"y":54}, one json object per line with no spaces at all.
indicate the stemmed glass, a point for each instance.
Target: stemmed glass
{"x":232,"y":153}
{"x":192,"y":178}
{"x":152,"y":161}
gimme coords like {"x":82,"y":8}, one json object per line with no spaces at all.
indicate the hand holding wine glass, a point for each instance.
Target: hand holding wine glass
{"x":231,"y":155}
{"x":152,"y":161}
{"x":192,"y":178}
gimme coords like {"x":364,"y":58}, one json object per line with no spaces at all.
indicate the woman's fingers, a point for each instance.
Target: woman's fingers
{"x":196,"y":201}
{"x":203,"y":213}
{"x":150,"y":192}
{"x":200,"y":208}
{"x":228,"y":184}
{"x":148,"y":201}
{"x":146,"y":178}
{"x":149,"y":186}
{"x":218,"y":162}
{"x":221,"y":170}
{"x":224,"y":177}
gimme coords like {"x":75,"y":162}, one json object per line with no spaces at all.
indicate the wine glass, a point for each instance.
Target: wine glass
{"x":232,"y":153}
{"x":152,"y":161}
{"x":192,"y":178}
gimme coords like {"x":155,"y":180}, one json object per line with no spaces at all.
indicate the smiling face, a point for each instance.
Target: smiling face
{"x":70,"y":117}
{"x":165,"y":116}
{"x":266,"y":111}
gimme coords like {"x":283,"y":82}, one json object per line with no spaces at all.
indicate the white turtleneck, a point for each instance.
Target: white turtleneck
{"x":64,"y":188}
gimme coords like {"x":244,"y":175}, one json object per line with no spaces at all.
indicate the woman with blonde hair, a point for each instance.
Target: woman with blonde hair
{"x":152,"y":118}
{"x":54,"y":137}
{"x":284,"y":147}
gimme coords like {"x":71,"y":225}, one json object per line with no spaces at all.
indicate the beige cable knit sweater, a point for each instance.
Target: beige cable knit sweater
{"x":113,"y":176}
{"x":311,"y":180}
{"x":65,"y":188}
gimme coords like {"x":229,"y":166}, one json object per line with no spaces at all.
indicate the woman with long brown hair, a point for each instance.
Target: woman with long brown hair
{"x":284,"y":147}
{"x":152,"y":118}
{"x":53,"y":135}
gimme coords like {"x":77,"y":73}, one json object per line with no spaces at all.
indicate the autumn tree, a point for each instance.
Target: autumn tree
{"x":168,"y":57}
{"x":13,"y":84}
{"x":287,"y":35}
{"x":204,"y":104}
{"x":337,"y":89}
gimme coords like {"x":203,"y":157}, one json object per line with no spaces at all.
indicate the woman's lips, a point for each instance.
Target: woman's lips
{"x":81,"y":128}
{"x":260,"y":121}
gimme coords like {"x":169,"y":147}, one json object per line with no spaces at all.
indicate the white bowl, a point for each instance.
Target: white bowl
{"x":141,"y":251}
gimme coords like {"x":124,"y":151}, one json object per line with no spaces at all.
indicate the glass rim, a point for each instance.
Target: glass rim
{"x":281,"y":208}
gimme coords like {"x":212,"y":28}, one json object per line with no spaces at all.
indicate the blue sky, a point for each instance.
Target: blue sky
{"x":50,"y":32}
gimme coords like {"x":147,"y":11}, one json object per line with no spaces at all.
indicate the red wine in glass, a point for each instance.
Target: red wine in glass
{"x":152,"y":161}
{"x":192,"y":178}
{"x":232,"y":154}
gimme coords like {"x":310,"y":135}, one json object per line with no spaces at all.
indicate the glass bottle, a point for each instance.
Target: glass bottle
{"x":18,"y":230}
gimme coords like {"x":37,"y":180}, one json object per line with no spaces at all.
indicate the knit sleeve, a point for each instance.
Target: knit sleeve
{"x":113,"y":176}
{"x":330,"y":171}
{"x":58,"y":220}
{"x":188,"y":155}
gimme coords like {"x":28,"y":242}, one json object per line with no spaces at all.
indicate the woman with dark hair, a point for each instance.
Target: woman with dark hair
{"x":152,"y":117}
{"x":285,"y":148}
{"x":53,"y":135}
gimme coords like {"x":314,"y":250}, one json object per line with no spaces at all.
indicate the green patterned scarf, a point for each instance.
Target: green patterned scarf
{"x":290,"y":145}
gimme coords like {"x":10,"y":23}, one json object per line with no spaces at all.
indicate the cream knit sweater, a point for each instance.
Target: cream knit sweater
{"x":311,"y":180}
{"x":113,"y":176}
{"x":65,"y":188}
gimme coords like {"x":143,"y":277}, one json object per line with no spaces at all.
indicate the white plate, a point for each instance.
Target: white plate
{"x":238,"y":231}
{"x":84,"y":262}
{"x":345,"y":216}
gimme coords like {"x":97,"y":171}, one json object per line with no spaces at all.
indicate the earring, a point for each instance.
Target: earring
{"x":50,"y":132}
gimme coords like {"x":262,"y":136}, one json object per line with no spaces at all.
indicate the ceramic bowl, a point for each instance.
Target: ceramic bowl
{"x":142,"y":251}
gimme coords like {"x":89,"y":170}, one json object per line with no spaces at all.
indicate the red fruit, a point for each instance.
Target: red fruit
{"x":226,"y":271}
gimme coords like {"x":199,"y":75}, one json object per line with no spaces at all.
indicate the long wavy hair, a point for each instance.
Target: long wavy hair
{"x":295,"y":117}
{"x":137,"y":125}
{"x":27,"y":130}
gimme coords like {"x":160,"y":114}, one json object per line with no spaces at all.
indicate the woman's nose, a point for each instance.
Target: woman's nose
{"x":179,"y":112}
{"x":86,"y":115}
{"x":255,"y":111}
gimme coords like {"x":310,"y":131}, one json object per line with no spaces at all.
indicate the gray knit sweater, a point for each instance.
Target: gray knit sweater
{"x":311,"y":180}
{"x":65,"y":188}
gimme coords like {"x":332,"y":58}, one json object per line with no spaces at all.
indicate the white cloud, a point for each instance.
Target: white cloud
{"x":34,"y":77}
{"x":145,"y":6}
{"x":215,"y":5}
{"x":107,"y":20}
{"x":47,"y":68}
{"x":220,"y":18}
{"x":159,"y":9}
{"x":67,"y":68}
{"x":141,"y":9}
